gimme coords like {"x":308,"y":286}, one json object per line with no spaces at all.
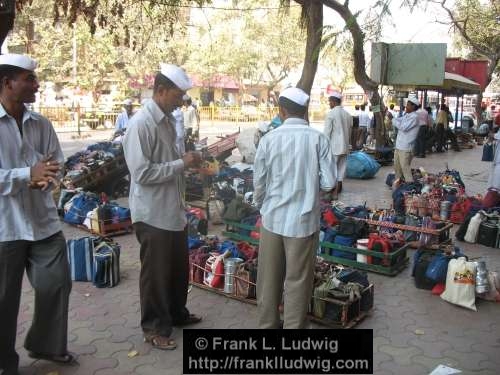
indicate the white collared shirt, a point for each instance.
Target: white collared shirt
{"x":156,"y":169}
{"x":292,"y":164}
{"x":27,"y":214}
{"x":338,"y":126}
{"x":407,"y":126}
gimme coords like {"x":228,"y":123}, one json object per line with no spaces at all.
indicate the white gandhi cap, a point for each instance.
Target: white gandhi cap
{"x":414,"y":100}
{"x":177,"y":75}
{"x":20,"y":61}
{"x":336,"y":95}
{"x":296,"y":95}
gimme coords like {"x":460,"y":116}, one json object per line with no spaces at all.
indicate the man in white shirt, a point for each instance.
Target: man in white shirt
{"x":191,"y":116}
{"x":123,"y":118}
{"x":179,"y":130}
{"x":157,"y":188}
{"x":30,"y":230}
{"x":364,"y":124}
{"x":407,"y":126}
{"x":292,"y":164}
{"x":338,"y":127}
{"x":423,"y":125}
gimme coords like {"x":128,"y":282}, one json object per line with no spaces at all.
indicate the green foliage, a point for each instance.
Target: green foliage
{"x":120,"y":40}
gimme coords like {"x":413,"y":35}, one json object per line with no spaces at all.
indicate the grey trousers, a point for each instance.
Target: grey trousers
{"x":47,"y":267}
{"x":285,"y":268}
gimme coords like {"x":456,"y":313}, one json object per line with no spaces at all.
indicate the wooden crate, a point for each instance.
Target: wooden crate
{"x":345,"y":314}
{"x":108,"y":229}
{"x":232,"y":232}
{"x":349,"y":313}
{"x":398,"y":260}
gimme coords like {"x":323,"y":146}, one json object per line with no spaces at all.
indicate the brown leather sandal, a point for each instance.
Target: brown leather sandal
{"x":160,"y":342}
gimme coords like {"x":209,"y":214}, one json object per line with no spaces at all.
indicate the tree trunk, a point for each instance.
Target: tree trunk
{"x":6,"y":24}
{"x":314,"y":35}
{"x":369,"y":86}
{"x":478,"y":107}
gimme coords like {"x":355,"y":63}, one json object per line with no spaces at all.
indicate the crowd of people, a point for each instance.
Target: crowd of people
{"x":292,"y":165}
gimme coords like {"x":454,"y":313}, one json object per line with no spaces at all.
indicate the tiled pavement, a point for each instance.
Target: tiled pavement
{"x":413,"y":330}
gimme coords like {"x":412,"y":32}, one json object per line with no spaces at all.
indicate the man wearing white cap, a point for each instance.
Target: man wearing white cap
{"x":179,"y":130}
{"x":292,"y":164}
{"x":30,"y":230}
{"x":123,"y":118}
{"x":407,"y":126}
{"x":338,"y":127}
{"x":191,"y":116}
{"x":158,"y":211}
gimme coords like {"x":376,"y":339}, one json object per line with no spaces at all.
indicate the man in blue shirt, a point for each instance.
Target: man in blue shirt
{"x":123,"y":118}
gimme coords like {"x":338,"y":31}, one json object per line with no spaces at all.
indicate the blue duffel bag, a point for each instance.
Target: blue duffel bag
{"x":106,"y":262}
{"x":80,"y":257}
{"x":361,"y":165}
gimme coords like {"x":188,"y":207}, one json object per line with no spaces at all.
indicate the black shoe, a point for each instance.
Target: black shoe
{"x":66,"y":359}
{"x":9,"y":371}
{"x":191,"y":319}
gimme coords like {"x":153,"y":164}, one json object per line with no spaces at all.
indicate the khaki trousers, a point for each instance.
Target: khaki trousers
{"x":402,"y":164}
{"x":286,"y":267}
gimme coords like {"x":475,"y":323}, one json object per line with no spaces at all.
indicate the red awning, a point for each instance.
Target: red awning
{"x":220,"y":81}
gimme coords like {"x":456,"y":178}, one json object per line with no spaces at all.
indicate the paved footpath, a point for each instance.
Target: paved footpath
{"x":413,"y":331}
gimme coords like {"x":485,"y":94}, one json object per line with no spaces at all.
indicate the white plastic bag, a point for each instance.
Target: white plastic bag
{"x":473,"y":228}
{"x":460,"y":283}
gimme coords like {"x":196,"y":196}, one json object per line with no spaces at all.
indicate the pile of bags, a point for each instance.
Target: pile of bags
{"x":454,"y":278}
{"x":482,"y":227}
{"x":88,"y":209}
{"x":340,"y":284}
{"x":212,"y":263}
{"x":93,"y":157}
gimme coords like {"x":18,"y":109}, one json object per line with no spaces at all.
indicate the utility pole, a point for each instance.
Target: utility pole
{"x":76,"y":108}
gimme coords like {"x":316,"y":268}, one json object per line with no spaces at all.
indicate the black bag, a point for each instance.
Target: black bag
{"x":462,"y":229}
{"x":353,"y":228}
{"x":422,"y":261}
{"x":488,"y":152}
{"x":488,"y":232}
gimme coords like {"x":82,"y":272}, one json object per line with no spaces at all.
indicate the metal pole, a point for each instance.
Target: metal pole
{"x":462,"y":113}
{"x":456,"y":111}
{"x":78,"y":118}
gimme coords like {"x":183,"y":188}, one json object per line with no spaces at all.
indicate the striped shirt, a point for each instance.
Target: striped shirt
{"x":27,"y":214}
{"x":292,"y":164}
